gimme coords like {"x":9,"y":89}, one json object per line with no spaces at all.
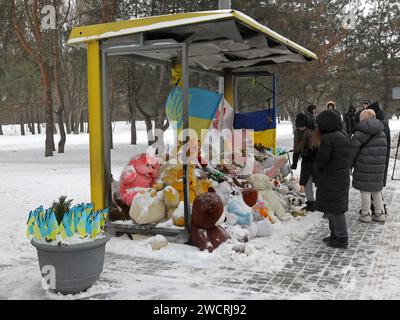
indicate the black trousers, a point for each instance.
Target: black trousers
{"x":337,"y":224}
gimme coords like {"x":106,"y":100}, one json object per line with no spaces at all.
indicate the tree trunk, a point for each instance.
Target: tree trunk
{"x":68,"y":122}
{"x":81,"y":123}
{"x":22,"y":125}
{"x":1,"y":130}
{"x":49,"y":143}
{"x":57,"y":83}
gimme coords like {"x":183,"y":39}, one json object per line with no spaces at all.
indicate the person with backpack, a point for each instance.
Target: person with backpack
{"x":368,"y":156}
{"x":350,"y":120}
{"x":304,"y":149}
{"x":332,"y":166}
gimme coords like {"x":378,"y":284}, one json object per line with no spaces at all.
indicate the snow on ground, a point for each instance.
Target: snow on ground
{"x":28,"y":179}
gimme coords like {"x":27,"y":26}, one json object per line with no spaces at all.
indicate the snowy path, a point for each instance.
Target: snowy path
{"x":292,"y":264}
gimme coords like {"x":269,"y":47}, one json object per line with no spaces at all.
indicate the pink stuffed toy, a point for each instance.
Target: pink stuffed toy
{"x":141,"y":172}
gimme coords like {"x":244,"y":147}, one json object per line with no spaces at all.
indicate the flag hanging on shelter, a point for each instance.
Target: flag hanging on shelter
{"x":262,"y":122}
{"x":203,"y":105}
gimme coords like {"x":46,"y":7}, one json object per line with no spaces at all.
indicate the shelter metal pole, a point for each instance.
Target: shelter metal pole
{"x":274,"y":103}
{"x":223,"y":4}
{"x":185,"y":83}
{"x":96,"y":133}
{"x":107,"y":130}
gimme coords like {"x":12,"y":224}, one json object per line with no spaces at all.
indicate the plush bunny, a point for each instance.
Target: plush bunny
{"x":264,"y":185}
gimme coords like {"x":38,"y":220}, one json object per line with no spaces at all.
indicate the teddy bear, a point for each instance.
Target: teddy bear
{"x":207,"y":215}
{"x":264,"y":185}
{"x":250,"y":196}
{"x":173,"y":176}
{"x":140,"y":172}
{"x":146,"y":207}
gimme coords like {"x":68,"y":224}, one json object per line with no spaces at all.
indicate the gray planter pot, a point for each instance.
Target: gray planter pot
{"x":77,"y":267}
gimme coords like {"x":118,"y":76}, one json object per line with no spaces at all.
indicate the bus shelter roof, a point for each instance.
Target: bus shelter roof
{"x":217,"y":40}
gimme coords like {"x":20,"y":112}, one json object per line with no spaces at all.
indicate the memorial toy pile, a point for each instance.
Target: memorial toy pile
{"x":227,"y":201}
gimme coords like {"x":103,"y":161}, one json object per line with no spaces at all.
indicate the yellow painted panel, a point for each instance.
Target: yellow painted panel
{"x":96,"y":134}
{"x":267,"y":138}
{"x":228,"y":88}
{"x":98,"y":30}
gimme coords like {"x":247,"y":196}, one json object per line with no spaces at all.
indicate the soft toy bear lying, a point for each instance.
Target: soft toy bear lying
{"x":264,"y":185}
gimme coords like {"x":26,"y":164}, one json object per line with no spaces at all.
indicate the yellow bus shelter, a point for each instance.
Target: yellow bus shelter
{"x":220,"y":42}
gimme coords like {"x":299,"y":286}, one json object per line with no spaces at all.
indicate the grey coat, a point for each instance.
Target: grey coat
{"x":368,"y":155}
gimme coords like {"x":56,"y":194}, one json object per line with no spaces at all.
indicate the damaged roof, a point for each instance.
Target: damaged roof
{"x":219,"y":39}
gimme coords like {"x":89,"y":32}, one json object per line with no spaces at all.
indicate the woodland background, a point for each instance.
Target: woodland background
{"x":43,"y":81}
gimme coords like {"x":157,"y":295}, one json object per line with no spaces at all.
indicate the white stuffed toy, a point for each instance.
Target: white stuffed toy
{"x":147,"y":208}
{"x":264,"y":185}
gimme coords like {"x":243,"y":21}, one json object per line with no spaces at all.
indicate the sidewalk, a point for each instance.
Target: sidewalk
{"x":368,"y":269}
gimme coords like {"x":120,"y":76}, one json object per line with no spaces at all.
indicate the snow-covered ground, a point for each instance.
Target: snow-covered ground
{"x":28,"y":179}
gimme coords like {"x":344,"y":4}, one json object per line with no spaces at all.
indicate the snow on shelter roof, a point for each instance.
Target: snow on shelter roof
{"x":219,"y":39}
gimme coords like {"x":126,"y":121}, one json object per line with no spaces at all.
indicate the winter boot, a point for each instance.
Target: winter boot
{"x":338,"y":242}
{"x":309,"y":206}
{"x":365,"y":217}
{"x":379,"y":217}
{"x":327,"y":239}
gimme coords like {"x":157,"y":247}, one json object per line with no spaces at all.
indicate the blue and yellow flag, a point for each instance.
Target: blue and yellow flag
{"x":262,"y":122}
{"x":203,"y":105}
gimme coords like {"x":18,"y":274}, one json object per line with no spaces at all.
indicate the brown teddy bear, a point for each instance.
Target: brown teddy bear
{"x":207,"y":214}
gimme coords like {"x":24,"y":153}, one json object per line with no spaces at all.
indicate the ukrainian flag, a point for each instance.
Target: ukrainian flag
{"x":203,"y":105}
{"x":262,"y":122}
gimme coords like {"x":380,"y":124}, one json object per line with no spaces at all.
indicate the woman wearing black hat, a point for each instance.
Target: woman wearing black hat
{"x":304,"y":149}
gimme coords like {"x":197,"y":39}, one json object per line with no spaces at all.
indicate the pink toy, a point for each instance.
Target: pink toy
{"x":141,"y":172}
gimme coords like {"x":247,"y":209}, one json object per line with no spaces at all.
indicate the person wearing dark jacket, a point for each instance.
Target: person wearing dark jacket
{"x":365,"y":105}
{"x":310,"y":113}
{"x":333,"y":176}
{"x":380,"y":115}
{"x":304,"y":149}
{"x":368,"y":157}
{"x":350,"y":120}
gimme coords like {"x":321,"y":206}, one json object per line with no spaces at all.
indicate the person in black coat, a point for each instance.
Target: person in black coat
{"x":350,"y":120}
{"x":368,"y":157}
{"x":304,"y":149}
{"x":365,"y":105}
{"x":333,"y":176}
{"x":380,"y":115}
{"x":310,"y":113}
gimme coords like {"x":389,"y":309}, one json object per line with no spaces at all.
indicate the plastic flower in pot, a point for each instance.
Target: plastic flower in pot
{"x":70,"y":240}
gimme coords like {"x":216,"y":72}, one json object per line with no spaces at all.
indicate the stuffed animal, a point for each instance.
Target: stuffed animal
{"x":250,"y":196}
{"x":207,"y":215}
{"x":242,"y":214}
{"x":173,"y":176}
{"x":147,"y":208}
{"x":170,"y":196}
{"x":178,"y":215}
{"x":264,"y":185}
{"x":261,"y":212}
{"x":141,"y":172}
